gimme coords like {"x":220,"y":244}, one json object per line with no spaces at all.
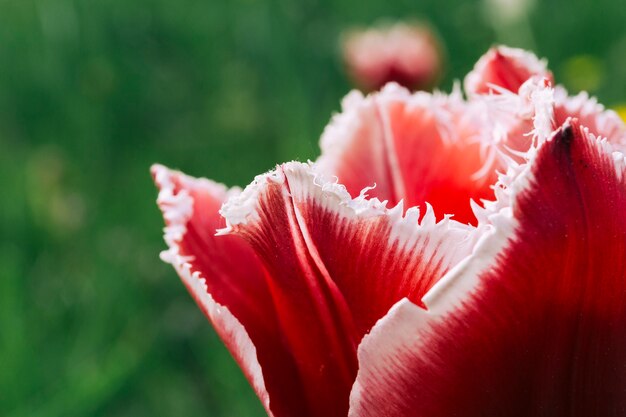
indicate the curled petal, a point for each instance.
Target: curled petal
{"x":227,"y":280}
{"x":520,"y":121}
{"x":510,"y":124}
{"x":337,"y":265}
{"x":533,"y":322}
{"x":417,"y":148}
{"x":504,"y":69}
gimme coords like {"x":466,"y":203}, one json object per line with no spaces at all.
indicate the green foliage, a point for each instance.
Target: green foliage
{"x":94,"y":91}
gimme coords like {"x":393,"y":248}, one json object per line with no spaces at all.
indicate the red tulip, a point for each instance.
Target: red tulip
{"x":334,"y":304}
{"x":408,"y":54}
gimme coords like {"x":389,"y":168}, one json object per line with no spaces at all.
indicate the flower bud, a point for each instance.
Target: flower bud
{"x":408,"y":54}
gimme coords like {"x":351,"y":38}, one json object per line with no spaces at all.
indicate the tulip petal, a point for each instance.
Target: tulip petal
{"x":227,"y":280}
{"x":535,"y":328}
{"x":592,"y":115}
{"x":191,"y":210}
{"x":519,"y":120}
{"x":417,"y":148}
{"x":504,"y":68}
{"x":337,"y":265}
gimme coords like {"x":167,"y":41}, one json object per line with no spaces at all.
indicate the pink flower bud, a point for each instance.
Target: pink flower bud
{"x":408,"y":54}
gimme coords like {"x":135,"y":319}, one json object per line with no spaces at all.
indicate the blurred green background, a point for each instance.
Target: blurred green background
{"x":92,"y":92}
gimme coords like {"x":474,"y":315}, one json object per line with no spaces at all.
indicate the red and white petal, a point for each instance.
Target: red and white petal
{"x":386,"y":355}
{"x":230,"y":330}
{"x":228,"y":282}
{"x":518,"y":121}
{"x":513,"y":123}
{"x":419,"y":148}
{"x":533,"y":115}
{"x":190,"y":208}
{"x":355,"y":151}
{"x":539,"y":331}
{"x":337,"y":265}
{"x":592,"y":115}
{"x":504,"y":68}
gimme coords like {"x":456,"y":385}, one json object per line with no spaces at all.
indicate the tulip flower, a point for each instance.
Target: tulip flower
{"x":406,"y":53}
{"x":443,"y":257}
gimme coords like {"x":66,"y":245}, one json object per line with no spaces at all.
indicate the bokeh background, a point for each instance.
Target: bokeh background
{"x":92,"y":92}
